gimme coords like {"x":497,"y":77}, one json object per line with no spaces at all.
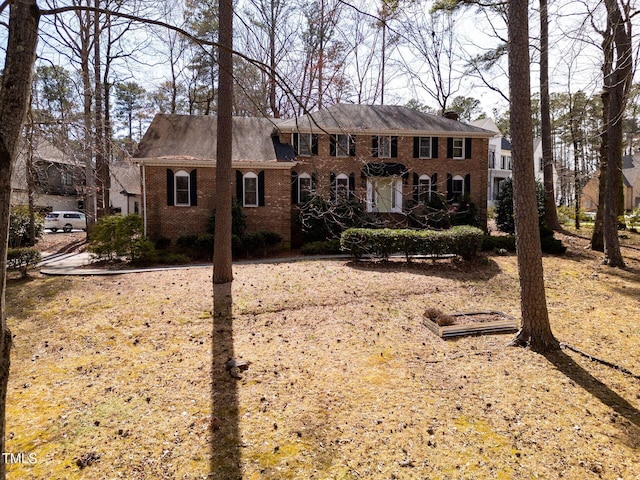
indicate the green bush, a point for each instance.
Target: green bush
{"x":258,"y":243}
{"x":238,"y":220}
{"x":20,"y":259}
{"x":19,"y":222}
{"x":116,"y":236}
{"x":327,"y":247}
{"x":464,"y":241}
{"x":504,"y":206}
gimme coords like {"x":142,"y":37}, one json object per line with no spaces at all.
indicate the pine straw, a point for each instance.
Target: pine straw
{"x":111,"y":377}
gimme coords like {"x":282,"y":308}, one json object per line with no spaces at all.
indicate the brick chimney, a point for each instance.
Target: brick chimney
{"x":451,"y":115}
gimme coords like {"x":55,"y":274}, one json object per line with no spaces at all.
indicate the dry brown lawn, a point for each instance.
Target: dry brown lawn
{"x":111,"y":377}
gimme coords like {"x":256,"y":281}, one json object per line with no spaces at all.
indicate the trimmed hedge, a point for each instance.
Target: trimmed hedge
{"x":21,"y":259}
{"x":464,"y":241}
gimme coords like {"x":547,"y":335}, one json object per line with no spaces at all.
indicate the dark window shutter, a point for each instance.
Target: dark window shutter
{"x":314,"y":144}
{"x":295,"y":143}
{"x":261,"y":189}
{"x":467,"y":148}
{"x":294,"y":188}
{"x":332,"y":145}
{"x":239,"y":187}
{"x":374,"y":145}
{"x":416,"y":186}
{"x":449,"y":187}
{"x":467,"y":184}
{"x":416,"y":147}
{"x":394,"y":147}
{"x":332,"y":186}
{"x":352,"y":145}
{"x":170,"y":188}
{"x":434,"y":182}
{"x":449,"y":147}
{"x":193,"y":188}
{"x":314,"y":182}
{"x":434,"y":147}
{"x":352,"y":185}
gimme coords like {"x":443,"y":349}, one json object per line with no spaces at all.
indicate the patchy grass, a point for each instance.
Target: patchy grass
{"x":112,"y":377}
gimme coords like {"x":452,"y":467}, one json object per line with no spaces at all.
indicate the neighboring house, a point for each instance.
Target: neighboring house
{"x":499,"y":159}
{"x":630,"y":182}
{"x":125,"y":194}
{"x":500,"y":163}
{"x":58,"y":179}
{"x":388,"y":157}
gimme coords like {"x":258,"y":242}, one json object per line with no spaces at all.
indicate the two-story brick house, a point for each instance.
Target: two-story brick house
{"x":388,"y":157}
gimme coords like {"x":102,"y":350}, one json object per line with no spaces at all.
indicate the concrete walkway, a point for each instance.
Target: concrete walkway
{"x":78,"y":264}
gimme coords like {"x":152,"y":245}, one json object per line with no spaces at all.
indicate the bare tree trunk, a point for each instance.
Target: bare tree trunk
{"x":551,"y":214}
{"x":84,"y":18}
{"x":31,"y":185}
{"x":597,"y":238}
{"x":222,"y":269}
{"x":14,"y":100}
{"x":225,"y":443}
{"x":102,"y":167}
{"x":535,"y":331}
{"x":617,"y":83}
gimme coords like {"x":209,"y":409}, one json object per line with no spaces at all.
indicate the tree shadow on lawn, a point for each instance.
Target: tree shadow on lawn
{"x":568,"y":366}
{"x":225,"y":436}
{"x":480,"y":269}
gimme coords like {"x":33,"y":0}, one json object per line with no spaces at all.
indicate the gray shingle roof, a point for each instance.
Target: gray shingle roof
{"x":194,"y":137}
{"x":630,"y":169}
{"x":379,"y":119}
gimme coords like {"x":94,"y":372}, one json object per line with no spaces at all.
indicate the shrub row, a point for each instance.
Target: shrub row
{"x":327,"y":247}
{"x":200,"y":247}
{"x":21,"y":259}
{"x":464,"y":241}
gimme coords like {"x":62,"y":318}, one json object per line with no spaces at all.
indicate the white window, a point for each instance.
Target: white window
{"x":250,"y":190}
{"x":458,"y":148}
{"x":492,"y":159}
{"x":305,"y":188}
{"x":457,"y":187}
{"x":343,"y":145}
{"x":384,"y":194}
{"x":505,"y":162}
{"x":342,"y":186}
{"x":424,"y":147}
{"x":304,"y":145}
{"x":67,"y":179}
{"x":182,"y":189}
{"x":424,"y":189}
{"x":384,"y":147}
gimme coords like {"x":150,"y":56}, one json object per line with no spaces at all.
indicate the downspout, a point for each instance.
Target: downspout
{"x":144,"y":200}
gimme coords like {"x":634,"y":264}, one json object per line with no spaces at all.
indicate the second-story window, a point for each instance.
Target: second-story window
{"x":458,"y":148}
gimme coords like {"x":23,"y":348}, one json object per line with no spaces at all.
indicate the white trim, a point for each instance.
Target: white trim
{"x":186,"y":162}
{"x":462,"y":147}
{"x":244,"y":196}
{"x":181,"y":174}
{"x":425,"y":177}
{"x":305,"y":176}
{"x":341,"y":176}
{"x":430,"y":142}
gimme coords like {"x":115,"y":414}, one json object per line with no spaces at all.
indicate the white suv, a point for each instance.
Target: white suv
{"x":65,"y":221}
